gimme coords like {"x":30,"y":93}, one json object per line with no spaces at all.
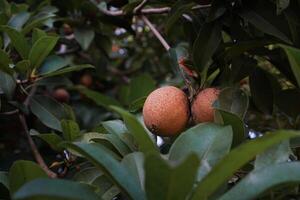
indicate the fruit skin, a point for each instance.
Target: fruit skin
{"x":202,"y":110}
{"x":166,"y":111}
{"x":86,"y":80}
{"x":61,"y":95}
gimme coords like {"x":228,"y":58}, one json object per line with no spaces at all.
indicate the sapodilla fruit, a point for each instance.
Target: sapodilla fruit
{"x":166,"y":111}
{"x":202,"y":110}
{"x":86,"y":80}
{"x":61,"y":95}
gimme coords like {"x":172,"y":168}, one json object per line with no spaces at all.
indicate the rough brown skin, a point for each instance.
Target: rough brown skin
{"x":86,"y":80}
{"x":166,"y":111}
{"x":61,"y":95}
{"x":202,"y":110}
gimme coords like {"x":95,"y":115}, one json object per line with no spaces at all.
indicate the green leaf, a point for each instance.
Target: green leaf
{"x":263,"y":24}
{"x":48,"y":111}
{"x":70,"y":130}
{"x":293,"y":55}
{"x":139,"y":133}
{"x":134,"y":163}
{"x":7,"y":85}
{"x":233,"y":100}
{"x":177,"y":10}
{"x":137,"y":104}
{"x":52,"y":139}
{"x":67,"y":70}
{"x":104,"y":160}
{"x":84,"y":37}
{"x":98,"y":98}
{"x":23,"y":171}
{"x":4,"y":179}
{"x":211,"y":142}
{"x":41,"y":49}
{"x":18,"y":40}
{"x":37,"y":21}
{"x":164,"y":182}
{"x":52,"y":63}
{"x":37,"y":34}
{"x":237,"y":124}
{"x":277,"y":154}
{"x":238,"y":158}
{"x":55,"y":189}
{"x":4,"y":62}
{"x":263,"y":180}
{"x":118,"y":128}
{"x":140,"y":86}
{"x":87,"y":175}
{"x":281,"y":5}
{"x":23,"y":66}
{"x":18,"y":20}
{"x":206,"y":44}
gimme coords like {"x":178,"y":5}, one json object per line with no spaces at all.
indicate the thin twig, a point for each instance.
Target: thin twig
{"x":39,"y":159}
{"x":140,"y":6}
{"x":156,"y":33}
{"x":10,"y":112}
{"x":148,"y":11}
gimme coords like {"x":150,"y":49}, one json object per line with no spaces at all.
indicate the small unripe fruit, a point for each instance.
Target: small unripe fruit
{"x":61,"y":95}
{"x":202,"y":110}
{"x":166,"y":111}
{"x":86,"y":80}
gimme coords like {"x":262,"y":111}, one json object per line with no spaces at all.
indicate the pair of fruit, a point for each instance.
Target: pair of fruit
{"x":166,"y":110}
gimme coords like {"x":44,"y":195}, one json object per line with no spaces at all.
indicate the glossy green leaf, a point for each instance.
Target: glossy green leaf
{"x":18,"y":20}
{"x":206,"y":44}
{"x":104,"y":160}
{"x":87,"y":175}
{"x":70,"y":129}
{"x":134,"y":163}
{"x":238,"y":158}
{"x":141,"y":86}
{"x":167,"y":182}
{"x":51,"y":64}
{"x":84,"y":37}
{"x":118,"y":128}
{"x":23,"y":66}
{"x":41,"y":49}
{"x":277,"y":154}
{"x":294,"y":59}
{"x":137,"y":104}
{"x":55,"y":189}
{"x":139,"y":133}
{"x":22,"y":172}
{"x":98,"y":98}
{"x":47,"y":110}
{"x":18,"y":40}
{"x":67,"y":70}
{"x":263,"y":24}
{"x":52,"y":139}
{"x":263,"y":180}
{"x":7,"y":84}
{"x":37,"y":34}
{"x":37,"y":21}
{"x":4,"y":62}
{"x":209,"y":141}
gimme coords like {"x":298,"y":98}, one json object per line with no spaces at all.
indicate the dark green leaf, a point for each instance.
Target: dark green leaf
{"x":264,"y":179}
{"x":55,"y":189}
{"x":52,"y":139}
{"x":7,"y":84}
{"x":48,"y":111}
{"x":37,"y":34}
{"x":238,"y":158}
{"x":18,"y":41}
{"x":4,"y":62}
{"x":23,"y":66}
{"x":52,"y":63}
{"x":23,"y":171}
{"x":41,"y":49}
{"x":4,"y":179}
{"x":211,"y":142}
{"x":84,"y":37}
{"x":206,"y":44}
{"x":104,"y":159}
{"x":140,"y":86}
{"x":18,"y":20}
{"x":70,"y":130}
{"x":67,"y":70}
{"x":139,"y":133}
{"x":164,"y":182}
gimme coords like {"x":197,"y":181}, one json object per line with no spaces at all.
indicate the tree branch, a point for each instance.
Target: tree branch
{"x":156,"y":33}
{"x":140,"y":6}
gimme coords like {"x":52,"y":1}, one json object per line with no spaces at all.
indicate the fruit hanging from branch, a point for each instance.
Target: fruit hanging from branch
{"x":166,"y":111}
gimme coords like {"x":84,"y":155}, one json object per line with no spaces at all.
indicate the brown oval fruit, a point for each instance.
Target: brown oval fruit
{"x":202,"y":110}
{"x":61,"y":95}
{"x":166,"y":111}
{"x":86,"y":80}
